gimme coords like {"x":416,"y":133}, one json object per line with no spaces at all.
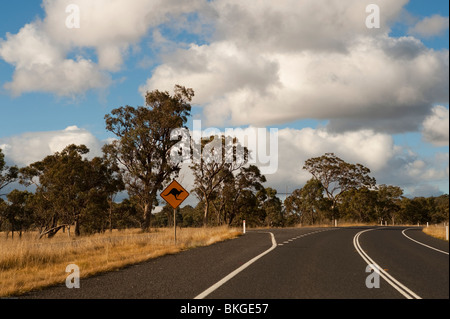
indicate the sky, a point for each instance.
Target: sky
{"x":323,"y":73}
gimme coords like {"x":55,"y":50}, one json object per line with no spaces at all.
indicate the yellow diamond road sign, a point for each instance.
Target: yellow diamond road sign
{"x":174,"y":194}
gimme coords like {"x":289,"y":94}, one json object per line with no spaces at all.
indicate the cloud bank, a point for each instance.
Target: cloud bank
{"x":27,"y":148}
{"x":50,"y":57}
{"x":389,"y":163}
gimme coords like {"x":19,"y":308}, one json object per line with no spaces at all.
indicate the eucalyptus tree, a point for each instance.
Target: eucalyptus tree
{"x":144,"y":142}
{"x":215,"y":161}
{"x":308,"y":203}
{"x":8,"y":174}
{"x":69,"y":187}
{"x":338,"y":176}
{"x":239,"y":192}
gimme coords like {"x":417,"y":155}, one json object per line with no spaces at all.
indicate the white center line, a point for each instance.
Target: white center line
{"x":405,"y":291}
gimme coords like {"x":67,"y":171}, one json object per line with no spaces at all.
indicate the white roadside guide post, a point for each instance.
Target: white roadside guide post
{"x":446,"y":232}
{"x":244,"y":226}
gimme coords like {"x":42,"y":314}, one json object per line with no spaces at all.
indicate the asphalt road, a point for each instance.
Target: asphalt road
{"x":305,"y":263}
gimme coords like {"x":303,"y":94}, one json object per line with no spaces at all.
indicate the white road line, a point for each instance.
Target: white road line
{"x":441,"y":251}
{"x":405,"y":291}
{"x":237,"y":271}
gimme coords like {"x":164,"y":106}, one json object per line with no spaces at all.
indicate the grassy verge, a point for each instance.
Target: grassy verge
{"x":27,"y":264}
{"x":435,"y":231}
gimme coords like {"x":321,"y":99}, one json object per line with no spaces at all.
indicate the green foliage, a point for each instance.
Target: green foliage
{"x":144,"y":142}
{"x":214,"y":171}
{"x":308,"y":204}
{"x":16,"y":213}
{"x":422,"y":210}
{"x":8,"y":175}
{"x":271,"y":207}
{"x":338,"y":177}
{"x":70,"y":189}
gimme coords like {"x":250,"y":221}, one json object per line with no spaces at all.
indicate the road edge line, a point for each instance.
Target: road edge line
{"x":208,"y":291}
{"x":418,"y":242}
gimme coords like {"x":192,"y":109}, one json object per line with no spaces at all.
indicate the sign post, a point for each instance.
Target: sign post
{"x":174,"y":195}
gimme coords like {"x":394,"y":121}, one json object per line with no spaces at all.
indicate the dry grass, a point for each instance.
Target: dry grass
{"x":435,"y":231}
{"x":27,"y":264}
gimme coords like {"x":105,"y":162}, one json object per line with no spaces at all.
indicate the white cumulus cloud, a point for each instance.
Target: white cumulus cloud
{"x":430,"y":26}
{"x":50,"y":57}
{"x":436,"y":126}
{"x":268,"y":64}
{"x":28,"y":148}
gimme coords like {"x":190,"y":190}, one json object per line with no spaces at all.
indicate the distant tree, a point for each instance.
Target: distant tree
{"x":191,"y":217}
{"x":215,"y":168}
{"x":126,"y":214}
{"x":107,"y":169}
{"x":388,"y":202}
{"x":308,"y":203}
{"x":271,"y":206}
{"x":69,"y":187}
{"x":238,"y":192}
{"x":16,"y":212}
{"x":338,"y":176}
{"x":61,"y":183}
{"x":3,"y":207}
{"x":293,"y":205}
{"x":441,"y":209}
{"x":413,"y":211}
{"x":144,"y":144}
{"x":8,"y":174}
{"x":359,"y":204}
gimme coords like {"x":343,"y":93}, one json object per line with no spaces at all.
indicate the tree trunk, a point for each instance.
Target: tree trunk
{"x":51,"y":233}
{"x":110,"y":216}
{"x":147,"y":217}
{"x":77,"y":226}
{"x":205,"y":216}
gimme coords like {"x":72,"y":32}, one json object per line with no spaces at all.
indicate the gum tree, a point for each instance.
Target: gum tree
{"x":69,"y":187}
{"x":338,"y":176}
{"x":220,"y":158}
{"x":8,"y":174}
{"x":143,"y":145}
{"x":308,"y":203}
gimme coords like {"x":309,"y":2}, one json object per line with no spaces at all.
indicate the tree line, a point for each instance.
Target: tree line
{"x":78,"y":195}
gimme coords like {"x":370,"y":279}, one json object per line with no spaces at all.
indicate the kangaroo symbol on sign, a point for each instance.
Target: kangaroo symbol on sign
{"x":175,"y":192}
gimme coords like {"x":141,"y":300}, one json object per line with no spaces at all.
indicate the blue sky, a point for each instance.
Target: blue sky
{"x":240,"y":61}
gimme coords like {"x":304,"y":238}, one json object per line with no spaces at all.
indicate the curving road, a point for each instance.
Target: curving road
{"x":304,"y":263}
